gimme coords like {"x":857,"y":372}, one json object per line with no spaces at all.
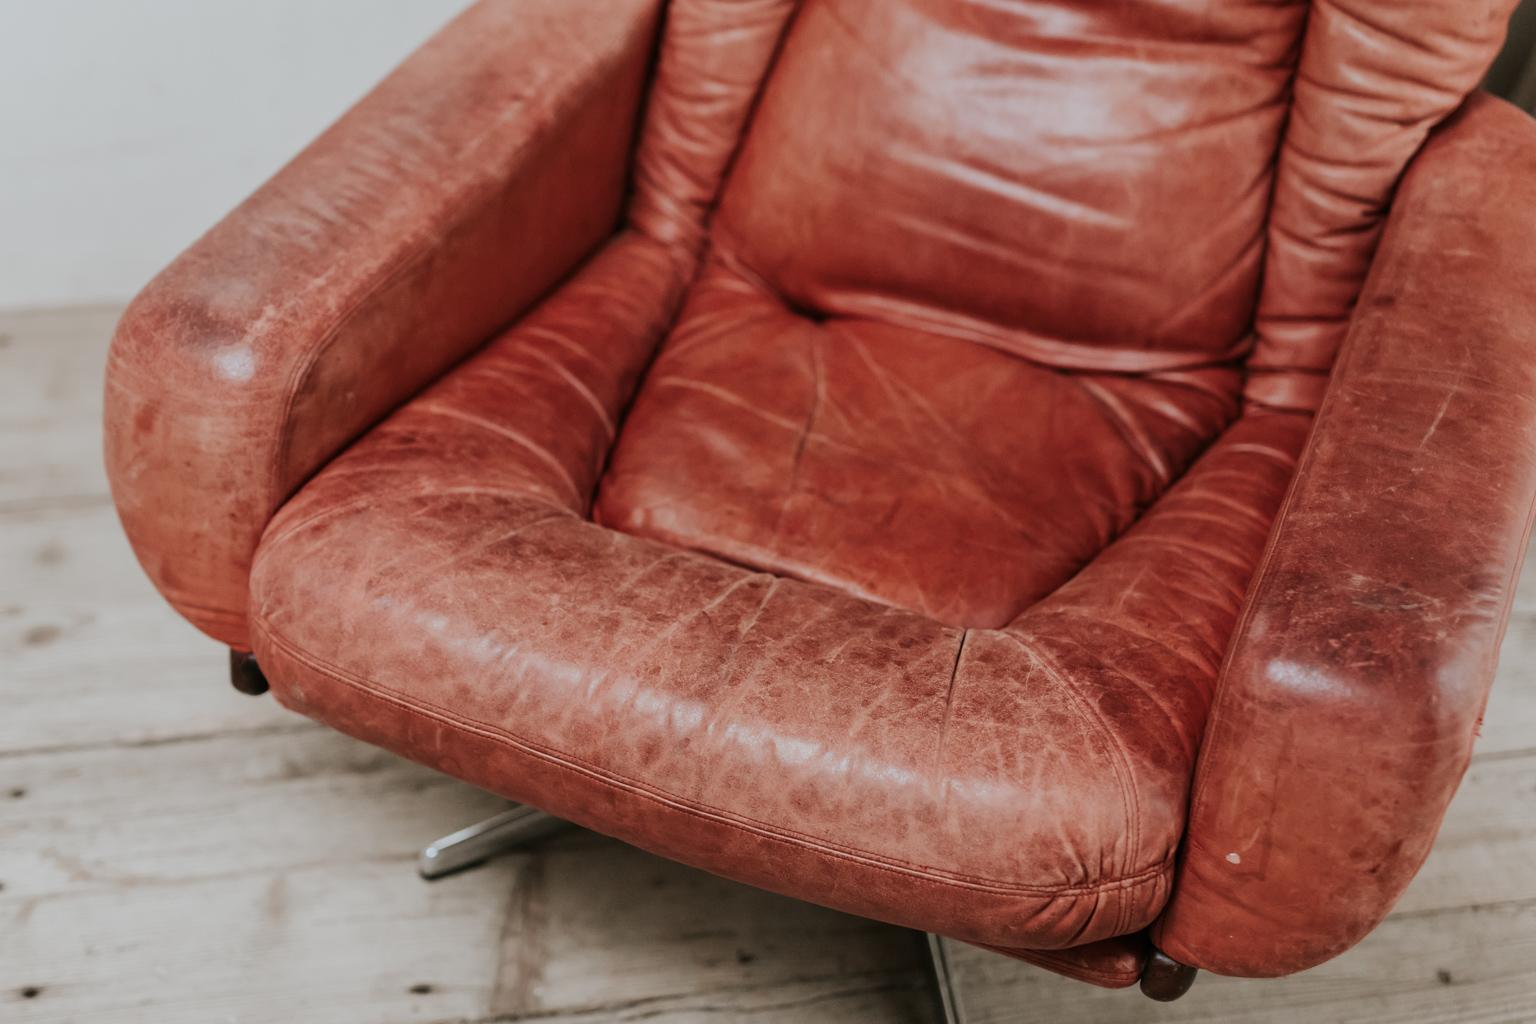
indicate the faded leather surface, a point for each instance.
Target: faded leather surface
{"x":913,"y":468}
{"x":448,"y":199}
{"x":714,"y":57}
{"x":929,"y":503}
{"x":1348,"y":707}
{"x":1375,"y":77}
{"x":1084,"y":184}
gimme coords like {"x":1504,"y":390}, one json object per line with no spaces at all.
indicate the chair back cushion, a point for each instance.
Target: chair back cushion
{"x":1089,"y":183}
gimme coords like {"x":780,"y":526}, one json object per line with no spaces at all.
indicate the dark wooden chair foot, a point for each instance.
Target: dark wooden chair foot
{"x":1164,"y":978}
{"x":245,"y":674}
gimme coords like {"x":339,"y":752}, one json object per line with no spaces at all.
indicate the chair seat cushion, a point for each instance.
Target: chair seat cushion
{"x":439,"y":591}
{"x":928,"y":472}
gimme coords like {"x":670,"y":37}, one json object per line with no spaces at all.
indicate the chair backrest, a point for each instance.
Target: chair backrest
{"x":1116,"y":185}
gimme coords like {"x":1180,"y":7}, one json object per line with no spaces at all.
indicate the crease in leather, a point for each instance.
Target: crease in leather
{"x":1110,"y":743}
{"x":1374,"y":78}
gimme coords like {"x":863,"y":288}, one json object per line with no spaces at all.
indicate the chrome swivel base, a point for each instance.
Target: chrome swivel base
{"x":946,"y":994}
{"x":512,"y":828}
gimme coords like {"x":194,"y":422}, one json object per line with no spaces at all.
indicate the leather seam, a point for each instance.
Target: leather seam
{"x":1129,"y":799}
{"x":783,"y":836}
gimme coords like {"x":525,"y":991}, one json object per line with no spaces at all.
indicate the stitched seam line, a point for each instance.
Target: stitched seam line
{"x":781,"y":835}
{"x":1129,"y":800}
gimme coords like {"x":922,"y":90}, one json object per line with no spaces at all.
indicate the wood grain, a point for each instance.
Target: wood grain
{"x":171,"y":851}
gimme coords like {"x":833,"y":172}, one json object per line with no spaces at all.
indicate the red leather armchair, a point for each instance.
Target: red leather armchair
{"x":1049,"y":474}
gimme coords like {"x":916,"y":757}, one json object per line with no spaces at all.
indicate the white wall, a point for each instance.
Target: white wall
{"x":127,"y":127}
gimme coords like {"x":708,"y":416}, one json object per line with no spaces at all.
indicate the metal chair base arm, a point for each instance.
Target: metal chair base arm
{"x":513,"y":828}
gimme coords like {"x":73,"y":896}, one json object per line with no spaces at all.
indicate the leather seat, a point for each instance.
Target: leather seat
{"x":924,"y":501}
{"x":919,"y":470}
{"x":438,"y":585}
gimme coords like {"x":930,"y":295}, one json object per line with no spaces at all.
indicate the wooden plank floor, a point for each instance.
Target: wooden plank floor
{"x":173,"y":852}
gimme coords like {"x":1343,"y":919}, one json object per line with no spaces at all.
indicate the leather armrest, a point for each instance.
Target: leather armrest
{"x":472,"y":179}
{"x":1358,"y":673}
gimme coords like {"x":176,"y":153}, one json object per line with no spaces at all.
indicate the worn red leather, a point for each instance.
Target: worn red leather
{"x":888,"y":461}
{"x":854,"y":487}
{"x":1375,"y":76}
{"x":1351,"y":696}
{"x":1083,"y":184}
{"x":437,"y":209}
{"x":714,"y":57}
